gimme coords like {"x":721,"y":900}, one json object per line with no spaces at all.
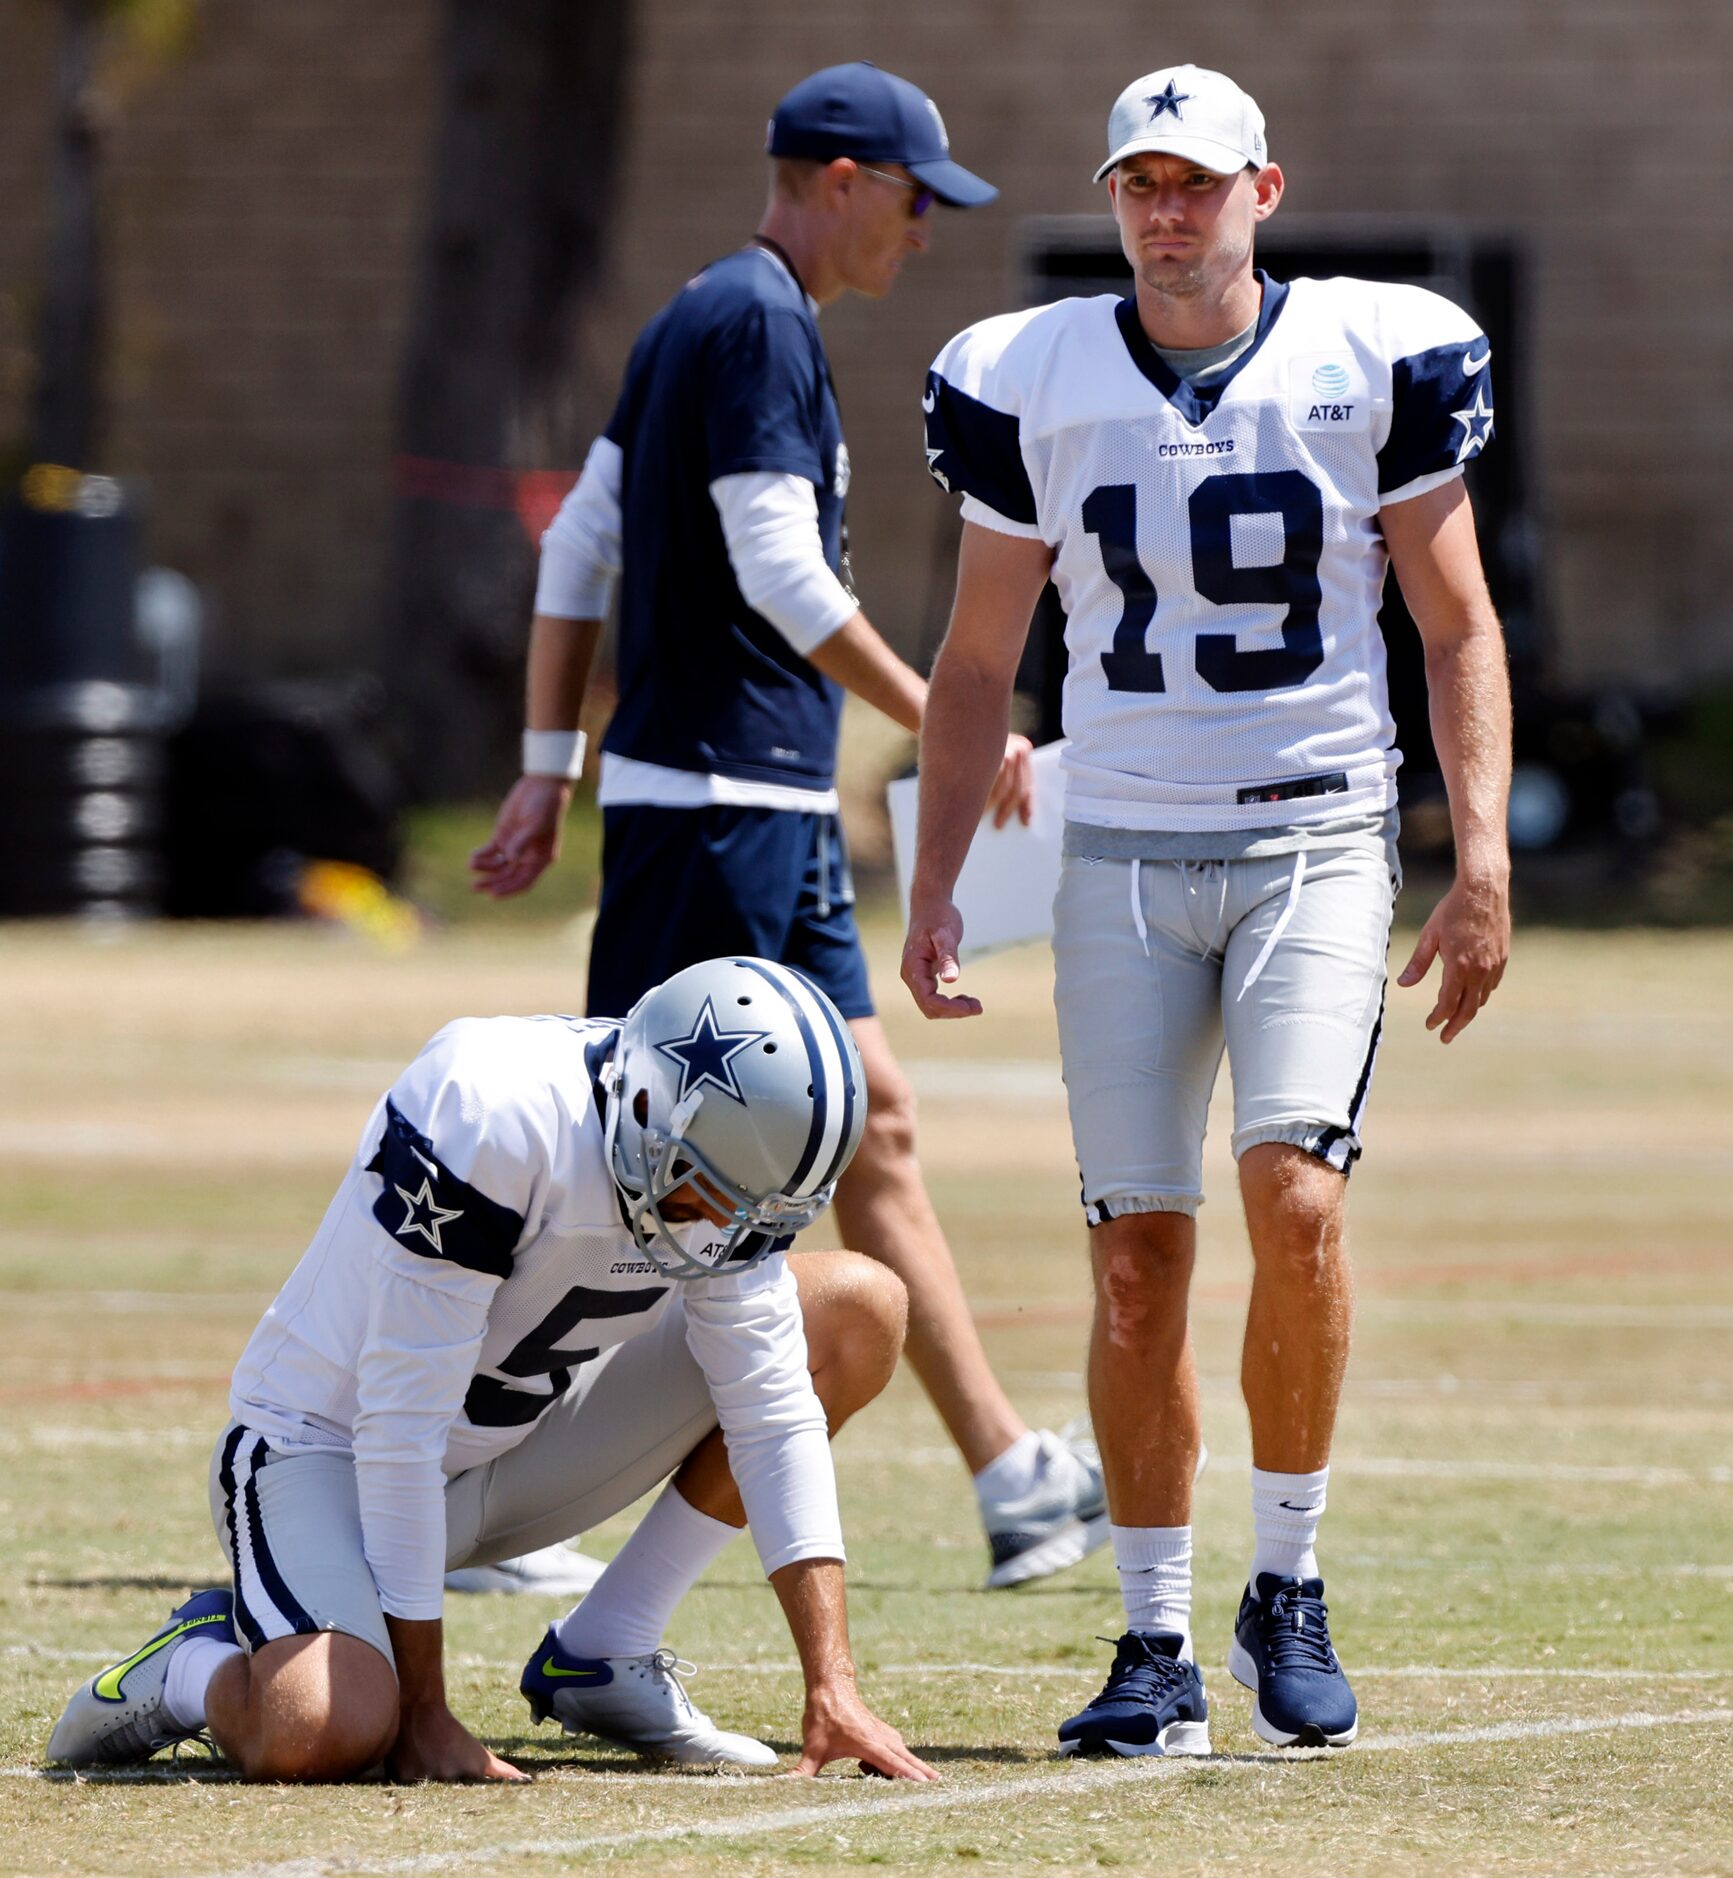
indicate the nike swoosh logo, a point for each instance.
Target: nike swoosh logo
{"x":1292,"y":1508}
{"x":928,"y":401}
{"x":549,"y":1668}
{"x":1471,"y":365}
{"x":107,"y":1685}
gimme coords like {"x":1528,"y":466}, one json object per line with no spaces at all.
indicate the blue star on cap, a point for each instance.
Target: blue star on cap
{"x":706,"y":1054}
{"x":1161,"y":102}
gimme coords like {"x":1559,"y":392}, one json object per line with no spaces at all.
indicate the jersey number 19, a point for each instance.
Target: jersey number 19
{"x":1110,"y":514}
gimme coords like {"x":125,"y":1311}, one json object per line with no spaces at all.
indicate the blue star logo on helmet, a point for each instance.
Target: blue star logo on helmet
{"x":706,"y":1054}
{"x":1161,"y":102}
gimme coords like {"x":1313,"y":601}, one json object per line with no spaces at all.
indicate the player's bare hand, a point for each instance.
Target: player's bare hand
{"x":930,"y":959}
{"x":526,"y":837}
{"x":1013,"y":791}
{"x":432,"y":1744}
{"x":1469,"y":933}
{"x":838,"y":1726}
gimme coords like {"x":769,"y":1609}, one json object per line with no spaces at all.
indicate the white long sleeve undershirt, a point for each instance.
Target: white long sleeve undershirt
{"x":769,"y":523}
{"x":581,"y":546}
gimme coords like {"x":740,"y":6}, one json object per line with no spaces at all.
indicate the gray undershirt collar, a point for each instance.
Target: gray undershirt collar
{"x":1196,"y":364}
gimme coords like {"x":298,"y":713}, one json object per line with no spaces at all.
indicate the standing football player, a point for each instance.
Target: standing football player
{"x":552,"y":1276}
{"x":1215,"y":472}
{"x":719,"y":487}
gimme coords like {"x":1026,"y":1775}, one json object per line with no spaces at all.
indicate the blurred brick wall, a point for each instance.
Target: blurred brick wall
{"x":269,"y":190}
{"x":266,"y":186}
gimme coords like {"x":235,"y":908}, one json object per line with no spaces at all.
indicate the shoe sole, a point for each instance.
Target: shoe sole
{"x":1245,"y":1672}
{"x":1177,"y":1738}
{"x":1070,"y":1545}
{"x":542,"y":1710}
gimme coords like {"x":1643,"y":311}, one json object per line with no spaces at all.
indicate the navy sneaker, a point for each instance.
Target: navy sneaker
{"x":1283,"y":1654}
{"x":1152,"y":1703}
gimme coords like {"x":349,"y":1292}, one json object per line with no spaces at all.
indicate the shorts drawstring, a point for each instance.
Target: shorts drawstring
{"x":824,"y":867}
{"x":1137,"y":918}
{"x":1279,"y":928}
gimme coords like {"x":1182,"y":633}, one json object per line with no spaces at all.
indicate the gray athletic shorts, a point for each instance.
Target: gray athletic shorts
{"x":1158,"y":963}
{"x":290,"y":1524}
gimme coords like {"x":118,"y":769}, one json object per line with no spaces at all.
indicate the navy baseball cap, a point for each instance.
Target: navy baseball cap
{"x":859,"y":111}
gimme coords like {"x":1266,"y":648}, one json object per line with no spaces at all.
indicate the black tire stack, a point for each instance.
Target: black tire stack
{"x":81,"y":792}
{"x":82,"y":732}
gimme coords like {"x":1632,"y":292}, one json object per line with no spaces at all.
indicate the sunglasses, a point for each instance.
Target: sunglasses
{"x":923,"y":196}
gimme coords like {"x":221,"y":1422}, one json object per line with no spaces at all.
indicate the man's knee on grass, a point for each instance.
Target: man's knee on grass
{"x":306,"y":1708}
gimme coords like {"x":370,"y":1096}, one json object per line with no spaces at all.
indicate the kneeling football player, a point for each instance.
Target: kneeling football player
{"x":552,"y":1277}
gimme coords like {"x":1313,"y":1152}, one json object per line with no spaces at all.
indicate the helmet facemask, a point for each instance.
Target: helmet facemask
{"x":736,"y":1083}
{"x":651,"y":1165}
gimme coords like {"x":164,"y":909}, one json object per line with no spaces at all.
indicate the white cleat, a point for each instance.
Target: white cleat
{"x":1061,"y":1519}
{"x":120,"y":1715}
{"x":556,"y":1571}
{"x":637,"y":1702}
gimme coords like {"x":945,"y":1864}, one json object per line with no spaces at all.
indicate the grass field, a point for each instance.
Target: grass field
{"x":1530,"y":1541}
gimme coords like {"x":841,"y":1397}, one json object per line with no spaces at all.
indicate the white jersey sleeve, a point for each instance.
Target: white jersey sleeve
{"x":458,"y":1169}
{"x":748,"y":1337}
{"x":1440,"y":401}
{"x":973,"y":401}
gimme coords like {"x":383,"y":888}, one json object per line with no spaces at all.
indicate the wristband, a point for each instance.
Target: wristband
{"x":554,"y":753}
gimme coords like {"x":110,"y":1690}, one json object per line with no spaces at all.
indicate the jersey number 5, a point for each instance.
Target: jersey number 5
{"x":1110,"y":514}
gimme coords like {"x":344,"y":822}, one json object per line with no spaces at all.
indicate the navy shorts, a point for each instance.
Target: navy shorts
{"x":682,"y":885}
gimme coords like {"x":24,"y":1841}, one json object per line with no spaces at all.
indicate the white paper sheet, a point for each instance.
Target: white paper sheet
{"x":1005,"y":891}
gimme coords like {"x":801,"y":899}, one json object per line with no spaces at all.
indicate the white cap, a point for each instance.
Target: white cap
{"x":1187,"y":112}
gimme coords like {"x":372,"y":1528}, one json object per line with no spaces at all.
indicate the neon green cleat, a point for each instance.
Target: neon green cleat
{"x":119,"y":1715}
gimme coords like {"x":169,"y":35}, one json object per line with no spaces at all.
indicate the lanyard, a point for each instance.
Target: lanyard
{"x":845,"y":567}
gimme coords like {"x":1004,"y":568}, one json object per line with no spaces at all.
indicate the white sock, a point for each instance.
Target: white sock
{"x":190,"y":1670}
{"x":628,"y":1607}
{"x":1010,"y":1475}
{"x":1286,"y":1509}
{"x":1155,"y":1578}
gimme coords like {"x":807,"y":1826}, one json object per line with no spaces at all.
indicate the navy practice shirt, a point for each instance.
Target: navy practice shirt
{"x":729,"y":377}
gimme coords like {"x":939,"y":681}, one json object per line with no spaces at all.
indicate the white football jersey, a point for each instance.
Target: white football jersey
{"x":475,"y":1256}
{"x":1217,"y":548}
{"x":483,"y":1174}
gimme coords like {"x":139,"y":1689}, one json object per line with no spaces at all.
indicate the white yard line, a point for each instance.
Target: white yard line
{"x":1419,"y":1671}
{"x":897,"y":1801}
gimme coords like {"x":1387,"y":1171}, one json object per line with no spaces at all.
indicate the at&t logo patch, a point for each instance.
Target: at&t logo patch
{"x":1328,"y":391}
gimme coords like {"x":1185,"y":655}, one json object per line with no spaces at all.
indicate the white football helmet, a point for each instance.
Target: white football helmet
{"x":740,"y":1078}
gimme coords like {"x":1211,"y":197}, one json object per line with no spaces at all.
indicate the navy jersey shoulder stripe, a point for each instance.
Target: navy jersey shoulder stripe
{"x":423,"y":1203}
{"x":1441,"y":412}
{"x":975,"y":450}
